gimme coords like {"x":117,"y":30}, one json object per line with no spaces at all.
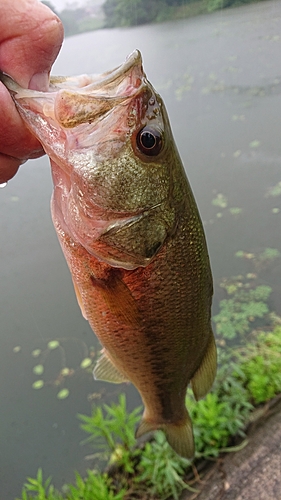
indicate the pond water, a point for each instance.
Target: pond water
{"x":220,"y":78}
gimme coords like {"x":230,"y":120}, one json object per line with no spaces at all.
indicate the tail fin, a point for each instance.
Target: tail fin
{"x":179,"y":435}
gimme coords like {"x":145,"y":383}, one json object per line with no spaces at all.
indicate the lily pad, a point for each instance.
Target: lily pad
{"x":86,"y":363}
{"x":38,"y":369}
{"x":240,"y":254}
{"x":63,"y":394}
{"x":240,"y":118}
{"x":254,"y":144}
{"x":36,"y":353}
{"x":38,"y":384}
{"x":53,"y":344}
{"x":237,"y":153}
{"x":235,"y":210}
{"x":274,"y":190}
{"x":220,"y":201}
{"x":65,"y":372}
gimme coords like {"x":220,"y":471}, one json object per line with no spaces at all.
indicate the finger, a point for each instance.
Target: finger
{"x":15,"y":138}
{"x":30,"y":39}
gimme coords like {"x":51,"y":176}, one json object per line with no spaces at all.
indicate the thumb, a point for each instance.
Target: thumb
{"x":30,"y":39}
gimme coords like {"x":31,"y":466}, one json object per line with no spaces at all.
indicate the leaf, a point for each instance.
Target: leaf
{"x":63,"y":394}
{"x":36,"y":353}
{"x":86,"y":363}
{"x":38,"y":384}
{"x":254,"y":144}
{"x":53,"y":344}
{"x":220,"y":201}
{"x":38,"y":369}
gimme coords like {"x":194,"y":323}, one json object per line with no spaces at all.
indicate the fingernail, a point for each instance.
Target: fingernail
{"x":39,"y":81}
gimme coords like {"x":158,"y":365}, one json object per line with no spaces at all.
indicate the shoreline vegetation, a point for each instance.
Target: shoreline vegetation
{"x":247,"y":384}
{"x":121,"y":13}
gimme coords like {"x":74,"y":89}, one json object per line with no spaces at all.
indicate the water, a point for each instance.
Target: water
{"x":220,"y":78}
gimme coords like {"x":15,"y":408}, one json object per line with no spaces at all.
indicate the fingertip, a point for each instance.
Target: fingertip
{"x":29,"y":43}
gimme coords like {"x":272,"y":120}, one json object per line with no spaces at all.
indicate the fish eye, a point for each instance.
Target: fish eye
{"x":149,"y":141}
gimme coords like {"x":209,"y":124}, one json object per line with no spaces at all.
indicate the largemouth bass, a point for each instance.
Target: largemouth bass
{"x":132,"y":236}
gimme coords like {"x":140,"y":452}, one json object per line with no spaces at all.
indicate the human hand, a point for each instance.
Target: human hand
{"x":30,"y":39}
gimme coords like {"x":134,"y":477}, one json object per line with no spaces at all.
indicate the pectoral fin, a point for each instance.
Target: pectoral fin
{"x":105,"y":370}
{"x":203,"y":378}
{"x":119,"y":299}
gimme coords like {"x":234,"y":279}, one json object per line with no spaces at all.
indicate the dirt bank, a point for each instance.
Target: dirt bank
{"x":253,"y":473}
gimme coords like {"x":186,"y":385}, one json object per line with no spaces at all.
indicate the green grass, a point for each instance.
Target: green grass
{"x":260,"y":366}
{"x":95,"y":486}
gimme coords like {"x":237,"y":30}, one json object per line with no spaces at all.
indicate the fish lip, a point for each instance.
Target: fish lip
{"x":133,"y":60}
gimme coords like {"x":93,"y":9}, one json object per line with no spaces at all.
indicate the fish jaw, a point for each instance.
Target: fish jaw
{"x":66,"y":118}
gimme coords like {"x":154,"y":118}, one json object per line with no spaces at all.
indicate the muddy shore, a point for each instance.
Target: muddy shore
{"x":254,"y":472}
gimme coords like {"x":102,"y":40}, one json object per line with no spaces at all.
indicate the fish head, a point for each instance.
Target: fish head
{"x":113,"y":160}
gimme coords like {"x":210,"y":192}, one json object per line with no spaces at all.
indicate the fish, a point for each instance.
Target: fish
{"x":132,"y":236}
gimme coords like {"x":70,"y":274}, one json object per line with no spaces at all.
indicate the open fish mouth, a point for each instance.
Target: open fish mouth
{"x":72,"y":101}
{"x":88,"y":83}
{"x":108,"y":81}
{"x":74,"y":113}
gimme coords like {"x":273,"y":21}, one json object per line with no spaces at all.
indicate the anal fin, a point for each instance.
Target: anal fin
{"x":203,"y":378}
{"x":105,"y":370}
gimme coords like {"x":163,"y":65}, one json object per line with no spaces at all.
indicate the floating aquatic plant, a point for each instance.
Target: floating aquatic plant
{"x":260,"y":260}
{"x":63,"y":371}
{"x":63,"y":394}
{"x":38,"y":369}
{"x":246,"y":303}
{"x":36,"y":353}
{"x":220,"y":201}
{"x":53,"y":344}
{"x":38,"y":384}
{"x":86,"y":363}
{"x":254,"y":144}
{"x":237,"y":153}
{"x":274,"y":190}
{"x":235,"y":210}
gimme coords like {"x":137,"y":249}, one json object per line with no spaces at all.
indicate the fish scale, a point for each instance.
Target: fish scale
{"x":131,"y":233}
